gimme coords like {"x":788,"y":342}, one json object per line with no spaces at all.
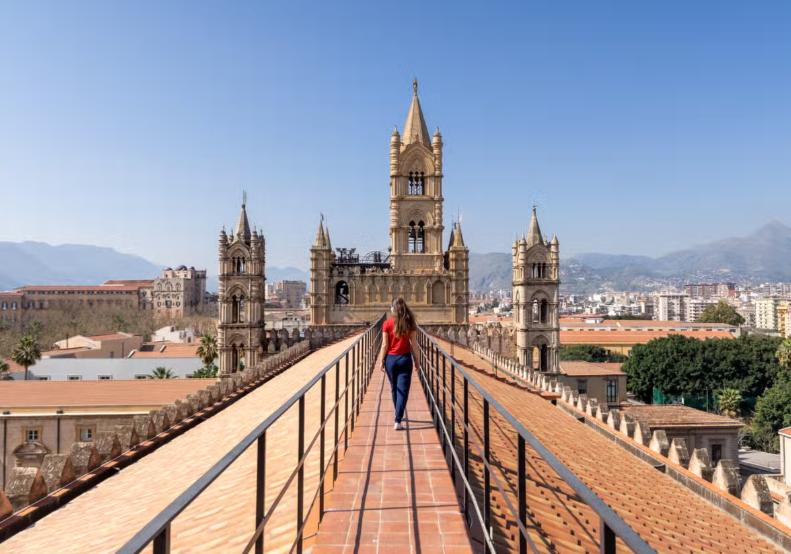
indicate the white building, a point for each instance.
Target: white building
{"x":766,"y":313}
{"x":671,"y":306}
{"x":172,"y":334}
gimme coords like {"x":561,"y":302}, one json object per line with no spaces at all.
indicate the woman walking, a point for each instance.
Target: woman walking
{"x":399,"y":354}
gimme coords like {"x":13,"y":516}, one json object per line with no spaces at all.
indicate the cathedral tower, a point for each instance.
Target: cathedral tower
{"x":536,"y":281}
{"x":241,"y":296}
{"x":355,"y":287}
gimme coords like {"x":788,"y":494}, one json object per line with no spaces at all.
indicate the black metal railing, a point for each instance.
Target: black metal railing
{"x":360,"y":358}
{"x":438,"y":370}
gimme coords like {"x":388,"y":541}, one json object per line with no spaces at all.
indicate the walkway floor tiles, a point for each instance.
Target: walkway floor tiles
{"x":394,"y":492}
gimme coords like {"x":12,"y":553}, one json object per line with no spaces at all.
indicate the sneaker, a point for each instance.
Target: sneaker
{"x":398,"y":427}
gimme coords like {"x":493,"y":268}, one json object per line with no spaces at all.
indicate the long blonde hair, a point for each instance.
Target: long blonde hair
{"x":405,"y":321}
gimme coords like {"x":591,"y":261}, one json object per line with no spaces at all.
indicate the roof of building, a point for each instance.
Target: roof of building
{"x":61,"y":369}
{"x":13,"y":367}
{"x":70,"y":394}
{"x":64,"y":351}
{"x":677,"y":416}
{"x":129,"y":282}
{"x":634,"y":337}
{"x":166,"y":350}
{"x":109,"y":336}
{"x":10,"y":293}
{"x":592,"y":369}
{"x":786,"y":432}
{"x":630,"y":324}
{"x":34,"y":288}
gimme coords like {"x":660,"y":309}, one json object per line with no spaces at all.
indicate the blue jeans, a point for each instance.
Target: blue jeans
{"x":399,"y":372}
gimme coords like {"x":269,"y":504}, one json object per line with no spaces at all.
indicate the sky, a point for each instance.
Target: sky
{"x":636,"y":127}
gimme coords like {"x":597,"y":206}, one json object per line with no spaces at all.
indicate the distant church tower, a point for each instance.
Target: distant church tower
{"x":241,"y":296}
{"x":536,"y":294}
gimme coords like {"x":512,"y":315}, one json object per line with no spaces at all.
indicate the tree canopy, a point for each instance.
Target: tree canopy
{"x":721,"y":313}
{"x":684,"y":365}
{"x":587,"y":353}
{"x":27,"y":353}
{"x":773,"y":411}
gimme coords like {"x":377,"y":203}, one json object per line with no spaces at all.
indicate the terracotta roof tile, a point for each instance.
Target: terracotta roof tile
{"x":670,"y":517}
{"x":221,"y":519}
{"x":676,"y":415}
{"x":634,"y":337}
{"x":588,"y":368}
{"x":166,"y":350}
{"x":112,"y":392}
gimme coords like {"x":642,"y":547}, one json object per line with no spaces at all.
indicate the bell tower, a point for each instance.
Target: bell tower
{"x":241,"y":296}
{"x":416,"y":194}
{"x":536,"y":281}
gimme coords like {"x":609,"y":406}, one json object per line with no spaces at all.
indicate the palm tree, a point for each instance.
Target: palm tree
{"x":784,"y":353}
{"x":162,"y":373}
{"x":34,"y":328}
{"x":207,"y":351}
{"x":728,"y":402}
{"x":27,"y":353}
{"x":4,"y":370}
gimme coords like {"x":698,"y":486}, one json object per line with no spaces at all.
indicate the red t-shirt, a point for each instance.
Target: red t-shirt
{"x":398,"y":345}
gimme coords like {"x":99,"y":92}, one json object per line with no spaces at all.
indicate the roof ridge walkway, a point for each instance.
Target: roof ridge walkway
{"x":394,"y":492}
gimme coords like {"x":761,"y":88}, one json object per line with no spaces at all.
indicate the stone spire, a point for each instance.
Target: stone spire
{"x":452,"y":240}
{"x":321,"y":238}
{"x":458,"y":239}
{"x":327,"y":236}
{"x":243,"y":226}
{"x":415,"y":129}
{"x":534,"y":232}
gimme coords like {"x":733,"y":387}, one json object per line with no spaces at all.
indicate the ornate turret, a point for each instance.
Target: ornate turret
{"x":415,"y":129}
{"x":436,"y":145}
{"x":395,"y":151}
{"x":321,"y":237}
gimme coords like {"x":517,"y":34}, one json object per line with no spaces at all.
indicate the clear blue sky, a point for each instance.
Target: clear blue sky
{"x":639,"y":127}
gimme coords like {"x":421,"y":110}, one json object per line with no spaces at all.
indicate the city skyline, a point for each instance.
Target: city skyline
{"x":147,"y":146}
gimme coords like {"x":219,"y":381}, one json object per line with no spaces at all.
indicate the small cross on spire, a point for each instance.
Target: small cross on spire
{"x":414,"y":85}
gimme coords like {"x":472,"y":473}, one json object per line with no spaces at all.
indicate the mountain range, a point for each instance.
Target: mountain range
{"x":764,"y":255}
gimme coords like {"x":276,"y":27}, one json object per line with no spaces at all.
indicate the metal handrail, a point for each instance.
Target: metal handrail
{"x":363,"y":351}
{"x":612,"y":524}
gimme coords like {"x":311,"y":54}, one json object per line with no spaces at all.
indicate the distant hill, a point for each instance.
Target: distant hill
{"x":38,"y":263}
{"x":764,"y":255}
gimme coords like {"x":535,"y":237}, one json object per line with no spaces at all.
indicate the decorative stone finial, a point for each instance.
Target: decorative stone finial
{"x":414,"y":85}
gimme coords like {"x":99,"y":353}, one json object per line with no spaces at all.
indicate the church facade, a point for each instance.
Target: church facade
{"x":536,"y":297}
{"x":347,"y":288}
{"x":241,"y":293}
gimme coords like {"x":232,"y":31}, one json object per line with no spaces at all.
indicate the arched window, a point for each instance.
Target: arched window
{"x":543,"y":359}
{"x":342,"y":293}
{"x":420,"y":243}
{"x":544,"y":311}
{"x":412,"y":238}
{"x":535,"y":311}
{"x":415,"y":185}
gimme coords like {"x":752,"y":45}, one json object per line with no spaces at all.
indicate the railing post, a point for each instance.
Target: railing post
{"x":452,"y":419}
{"x":606,"y":538}
{"x":442,"y":436}
{"x":355,"y":370}
{"x":260,"y":491}
{"x":337,"y":413}
{"x":321,"y":445}
{"x":522,"y":493}
{"x":466,"y":440}
{"x":301,"y":473}
{"x":346,"y":408}
{"x":487,"y":487}
{"x":162,"y":541}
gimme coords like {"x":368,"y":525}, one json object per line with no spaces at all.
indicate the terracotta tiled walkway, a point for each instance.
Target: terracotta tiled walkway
{"x":394,"y":492}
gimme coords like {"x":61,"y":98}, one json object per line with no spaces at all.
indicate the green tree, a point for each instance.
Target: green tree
{"x":207,"y":372}
{"x":27,"y":353}
{"x":728,"y":402}
{"x":721,"y":313}
{"x":207,"y":351}
{"x":784,"y":353}
{"x":162,"y":373}
{"x":685,"y":365}
{"x":773,"y":411}
{"x":34,"y":328}
{"x":587,"y":353}
{"x":4,"y":371}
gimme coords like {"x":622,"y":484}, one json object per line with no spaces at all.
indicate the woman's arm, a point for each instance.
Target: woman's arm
{"x":415,"y":350}
{"x":383,"y":350}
